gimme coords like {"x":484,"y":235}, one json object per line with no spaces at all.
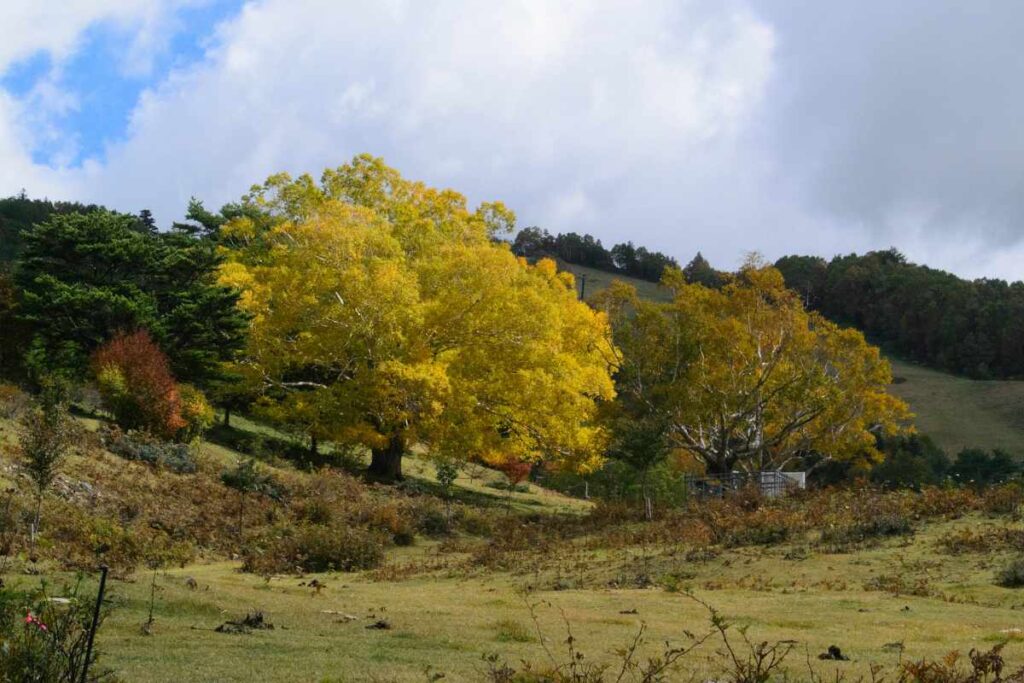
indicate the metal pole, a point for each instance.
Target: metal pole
{"x":583,"y":286}
{"x":95,"y":621}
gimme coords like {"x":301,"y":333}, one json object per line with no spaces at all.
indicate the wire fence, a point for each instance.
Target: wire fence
{"x":772,"y":483}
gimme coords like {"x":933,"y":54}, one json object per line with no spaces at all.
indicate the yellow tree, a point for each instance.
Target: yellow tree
{"x":744,"y":377}
{"x":385,"y":313}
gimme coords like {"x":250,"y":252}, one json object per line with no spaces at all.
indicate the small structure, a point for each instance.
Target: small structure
{"x":772,"y":483}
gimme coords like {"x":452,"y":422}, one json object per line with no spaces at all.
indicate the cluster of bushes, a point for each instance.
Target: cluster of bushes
{"x":142,"y":447}
{"x":45,"y":637}
{"x":915,"y":461}
{"x":334,"y":522}
{"x":835,"y":520}
{"x":314,"y":548}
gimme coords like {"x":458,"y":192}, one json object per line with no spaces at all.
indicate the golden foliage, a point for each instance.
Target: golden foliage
{"x":384,"y":309}
{"x":745,"y":377}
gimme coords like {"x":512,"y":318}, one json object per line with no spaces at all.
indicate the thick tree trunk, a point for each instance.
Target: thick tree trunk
{"x":386,"y":463}
{"x":227,"y":417}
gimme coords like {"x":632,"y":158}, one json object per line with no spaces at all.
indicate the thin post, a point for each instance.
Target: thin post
{"x":583,"y":286}
{"x":95,"y":622}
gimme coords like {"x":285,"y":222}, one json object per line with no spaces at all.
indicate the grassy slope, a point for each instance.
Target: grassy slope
{"x":599,"y":279}
{"x":959,"y":412}
{"x":956,"y":412}
{"x":445,"y":613}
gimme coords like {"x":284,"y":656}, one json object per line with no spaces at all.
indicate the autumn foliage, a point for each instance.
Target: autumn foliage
{"x":137,"y":386}
{"x":384,"y":314}
{"x":515,"y":470}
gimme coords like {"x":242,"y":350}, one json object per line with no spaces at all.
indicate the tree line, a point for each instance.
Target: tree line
{"x":969,"y":327}
{"x":375,"y":312}
{"x":586,"y":250}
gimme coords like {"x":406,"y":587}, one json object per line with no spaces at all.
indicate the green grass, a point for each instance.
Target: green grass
{"x":446,"y":620}
{"x":597,"y":280}
{"x":446,"y":613}
{"x":963,"y":413}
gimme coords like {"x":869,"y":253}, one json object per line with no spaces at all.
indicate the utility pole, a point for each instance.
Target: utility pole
{"x":583,"y":286}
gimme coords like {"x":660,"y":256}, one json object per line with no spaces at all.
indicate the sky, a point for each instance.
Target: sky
{"x":724,"y":126}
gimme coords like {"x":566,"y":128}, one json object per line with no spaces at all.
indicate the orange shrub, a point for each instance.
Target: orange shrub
{"x":136,"y":385}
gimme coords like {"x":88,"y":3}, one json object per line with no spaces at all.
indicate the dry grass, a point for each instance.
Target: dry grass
{"x":449,"y":602}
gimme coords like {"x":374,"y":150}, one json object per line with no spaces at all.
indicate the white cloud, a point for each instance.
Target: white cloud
{"x":679,"y":124}
{"x":559,"y":108}
{"x":32,"y":28}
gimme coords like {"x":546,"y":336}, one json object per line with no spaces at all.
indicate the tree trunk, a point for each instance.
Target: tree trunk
{"x":648,"y":503}
{"x":35,"y":520}
{"x":313,"y":445}
{"x":719,"y":465}
{"x":386,"y":463}
{"x":227,"y":417}
{"x":241,"y":512}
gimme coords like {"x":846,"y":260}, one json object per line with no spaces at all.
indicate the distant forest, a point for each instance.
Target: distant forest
{"x":585,"y":250}
{"x":969,"y":327}
{"x":19,"y":213}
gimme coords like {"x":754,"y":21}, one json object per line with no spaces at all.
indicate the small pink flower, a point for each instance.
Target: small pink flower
{"x":29,"y":619}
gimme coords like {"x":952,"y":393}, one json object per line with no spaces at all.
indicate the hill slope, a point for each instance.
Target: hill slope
{"x":596,"y":280}
{"x":958,"y":412}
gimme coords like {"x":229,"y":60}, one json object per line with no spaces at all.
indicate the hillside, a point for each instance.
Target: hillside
{"x":445,"y":603}
{"x":597,"y":280}
{"x":958,"y":412}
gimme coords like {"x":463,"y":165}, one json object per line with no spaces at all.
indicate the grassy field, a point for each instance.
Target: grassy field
{"x":446,"y":618}
{"x":448,"y":603}
{"x":959,"y":413}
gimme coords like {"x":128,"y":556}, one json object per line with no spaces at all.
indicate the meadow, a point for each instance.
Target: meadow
{"x":958,"y":412}
{"x":536,"y":566}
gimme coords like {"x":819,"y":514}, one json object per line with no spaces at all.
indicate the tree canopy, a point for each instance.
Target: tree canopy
{"x":384,"y":313}
{"x":974,"y":328}
{"x":84,"y":278}
{"x":586,"y":250}
{"x":744,"y":377}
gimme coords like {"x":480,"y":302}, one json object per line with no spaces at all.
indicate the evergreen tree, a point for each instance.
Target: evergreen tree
{"x":86,"y":277}
{"x":699,"y":272}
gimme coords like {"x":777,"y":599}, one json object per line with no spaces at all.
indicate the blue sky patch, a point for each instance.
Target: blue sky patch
{"x":106,"y":91}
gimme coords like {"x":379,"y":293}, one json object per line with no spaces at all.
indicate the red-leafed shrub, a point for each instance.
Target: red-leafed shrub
{"x":516,"y":471}
{"x":137,"y":386}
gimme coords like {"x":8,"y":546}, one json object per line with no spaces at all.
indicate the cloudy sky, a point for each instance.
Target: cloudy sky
{"x":720,"y":125}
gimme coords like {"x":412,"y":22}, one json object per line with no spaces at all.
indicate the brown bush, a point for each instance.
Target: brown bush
{"x":313,"y":548}
{"x":135,"y":382}
{"x":13,"y":401}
